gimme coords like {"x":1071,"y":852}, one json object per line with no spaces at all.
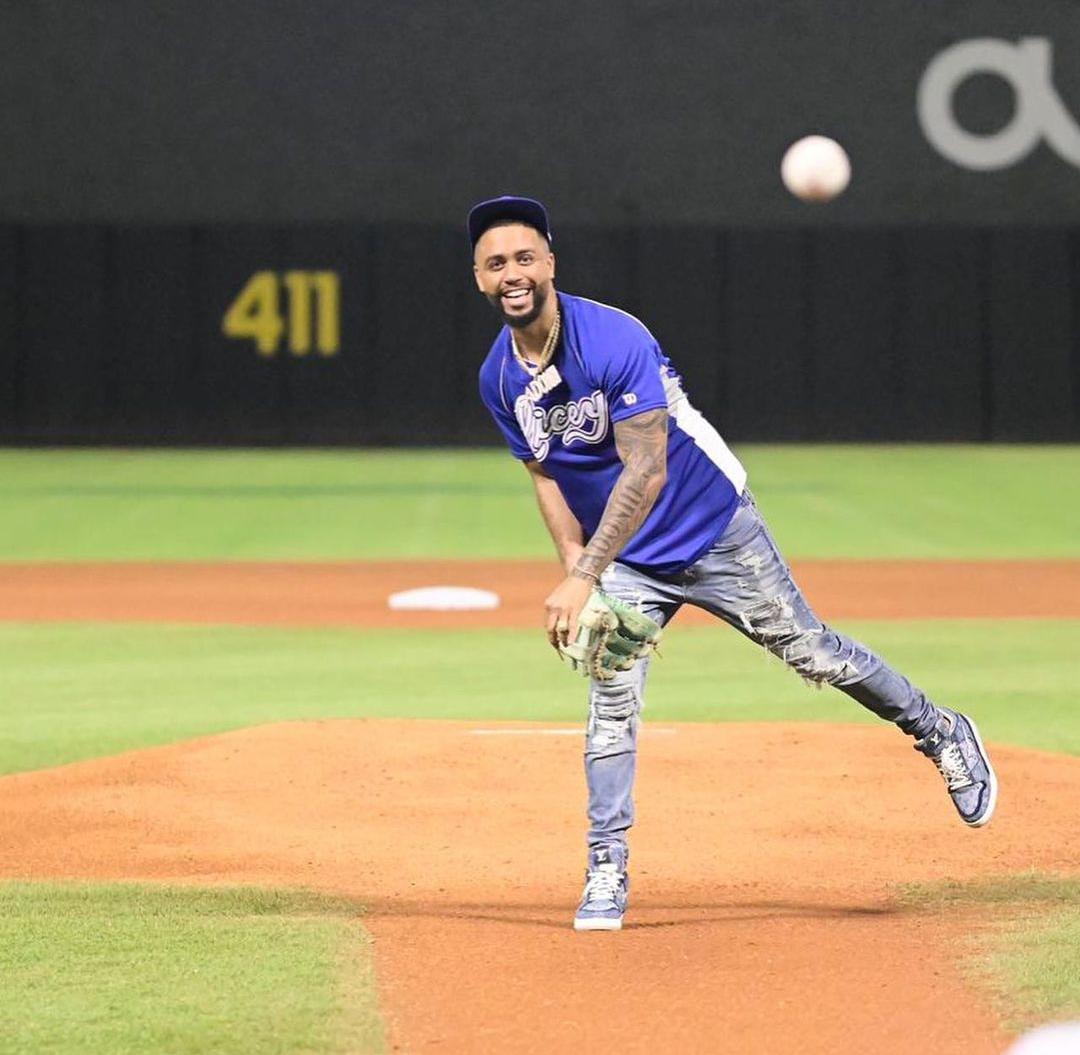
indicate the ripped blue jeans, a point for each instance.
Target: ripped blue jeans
{"x":743,"y":580}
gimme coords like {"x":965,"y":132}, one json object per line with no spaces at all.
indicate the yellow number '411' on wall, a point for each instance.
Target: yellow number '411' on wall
{"x":313,"y":312}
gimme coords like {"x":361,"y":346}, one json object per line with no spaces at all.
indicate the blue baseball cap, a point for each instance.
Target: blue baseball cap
{"x":509,"y":207}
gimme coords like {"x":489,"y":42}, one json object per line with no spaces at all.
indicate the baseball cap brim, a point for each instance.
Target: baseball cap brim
{"x":498,"y":210}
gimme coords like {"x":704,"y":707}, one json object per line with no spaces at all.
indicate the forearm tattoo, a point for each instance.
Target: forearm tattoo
{"x":642,"y":445}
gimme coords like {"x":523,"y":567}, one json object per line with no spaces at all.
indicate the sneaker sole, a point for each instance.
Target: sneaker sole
{"x":989,"y":812}
{"x":597,"y":923}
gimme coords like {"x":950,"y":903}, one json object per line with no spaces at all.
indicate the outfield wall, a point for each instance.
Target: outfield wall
{"x":372,"y":334}
{"x":243,"y":223}
{"x":658,"y":111}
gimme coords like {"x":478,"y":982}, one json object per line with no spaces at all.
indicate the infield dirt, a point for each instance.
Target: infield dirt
{"x":355,"y":593}
{"x":763,"y":865}
{"x":764,"y":859}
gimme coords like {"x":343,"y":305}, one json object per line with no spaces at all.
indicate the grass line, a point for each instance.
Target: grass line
{"x":1030,"y":957}
{"x":104,"y":969}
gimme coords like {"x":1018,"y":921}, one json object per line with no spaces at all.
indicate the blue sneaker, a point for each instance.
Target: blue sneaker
{"x":606,"y":885}
{"x":956,"y":749}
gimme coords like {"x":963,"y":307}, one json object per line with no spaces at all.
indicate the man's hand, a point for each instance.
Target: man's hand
{"x":563,"y":607}
{"x":612,"y":637}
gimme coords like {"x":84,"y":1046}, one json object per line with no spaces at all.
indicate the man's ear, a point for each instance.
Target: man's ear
{"x":552,"y":265}
{"x":476,"y":276}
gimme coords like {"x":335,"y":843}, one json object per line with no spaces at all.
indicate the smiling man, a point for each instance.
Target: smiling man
{"x":642,"y":496}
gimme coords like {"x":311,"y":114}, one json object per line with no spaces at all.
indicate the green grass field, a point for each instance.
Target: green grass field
{"x":847,"y":501}
{"x":1031,"y":962}
{"x":70,"y":691}
{"x":100,"y":969}
{"x":78,"y":691}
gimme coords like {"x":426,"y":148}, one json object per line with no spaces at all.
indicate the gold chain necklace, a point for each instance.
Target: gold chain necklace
{"x":548,"y":349}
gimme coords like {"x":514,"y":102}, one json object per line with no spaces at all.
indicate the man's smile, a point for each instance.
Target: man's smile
{"x":517,"y":296}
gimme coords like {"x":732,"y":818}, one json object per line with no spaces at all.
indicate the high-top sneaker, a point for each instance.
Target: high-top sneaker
{"x":954,"y":746}
{"x":606,"y":885}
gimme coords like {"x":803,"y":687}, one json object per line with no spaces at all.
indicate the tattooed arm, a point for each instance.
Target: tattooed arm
{"x":642,"y":445}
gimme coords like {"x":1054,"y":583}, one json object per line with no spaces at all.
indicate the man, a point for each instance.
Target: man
{"x":643,"y":497}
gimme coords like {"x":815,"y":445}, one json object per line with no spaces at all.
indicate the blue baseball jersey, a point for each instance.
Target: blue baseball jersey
{"x":608,"y":367}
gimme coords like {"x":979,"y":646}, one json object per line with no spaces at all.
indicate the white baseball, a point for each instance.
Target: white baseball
{"x":815,"y":168}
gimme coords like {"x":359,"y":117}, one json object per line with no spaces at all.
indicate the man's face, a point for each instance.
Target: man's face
{"x":514,"y":269}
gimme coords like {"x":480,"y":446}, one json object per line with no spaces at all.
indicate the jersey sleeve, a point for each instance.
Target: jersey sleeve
{"x":507,"y":423}
{"x":634,"y":382}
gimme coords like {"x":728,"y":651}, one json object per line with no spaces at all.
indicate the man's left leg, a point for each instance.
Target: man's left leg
{"x":744,"y":580}
{"x":611,"y":756}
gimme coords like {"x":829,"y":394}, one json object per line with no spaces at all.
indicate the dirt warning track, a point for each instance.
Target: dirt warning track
{"x":355,"y":594}
{"x":763,"y":863}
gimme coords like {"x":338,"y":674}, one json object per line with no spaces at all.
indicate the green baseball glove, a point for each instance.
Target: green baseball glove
{"x":611,"y":636}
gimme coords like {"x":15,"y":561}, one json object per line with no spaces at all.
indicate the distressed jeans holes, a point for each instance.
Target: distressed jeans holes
{"x":617,"y":706}
{"x":612,"y":721}
{"x":770,"y":621}
{"x":812,"y":652}
{"x":811,"y":658}
{"x":605,"y":734}
{"x":752,"y":560}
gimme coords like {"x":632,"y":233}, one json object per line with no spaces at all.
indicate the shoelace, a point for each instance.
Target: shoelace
{"x":953,"y":768}
{"x":603,"y":884}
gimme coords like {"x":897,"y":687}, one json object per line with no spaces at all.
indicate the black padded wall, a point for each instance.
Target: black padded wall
{"x":115,"y":335}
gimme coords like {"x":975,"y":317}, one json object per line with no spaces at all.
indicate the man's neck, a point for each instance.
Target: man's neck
{"x":532,"y":339}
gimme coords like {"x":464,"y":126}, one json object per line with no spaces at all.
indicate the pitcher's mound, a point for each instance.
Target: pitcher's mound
{"x":762,"y":863}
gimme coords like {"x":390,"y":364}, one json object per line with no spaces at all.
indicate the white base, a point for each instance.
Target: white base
{"x":597,"y":923}
{"x":443,"y":599}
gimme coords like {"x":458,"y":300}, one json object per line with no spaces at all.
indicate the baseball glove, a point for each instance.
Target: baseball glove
{"x":611,"y":636}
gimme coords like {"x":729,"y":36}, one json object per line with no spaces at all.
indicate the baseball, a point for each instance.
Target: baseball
{"x":815,"y":168}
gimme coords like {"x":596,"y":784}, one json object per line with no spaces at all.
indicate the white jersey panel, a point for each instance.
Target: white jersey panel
{"x":705,"y":437}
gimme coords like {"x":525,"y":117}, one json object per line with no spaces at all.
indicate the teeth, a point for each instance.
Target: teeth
{"x":515,"y":294}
